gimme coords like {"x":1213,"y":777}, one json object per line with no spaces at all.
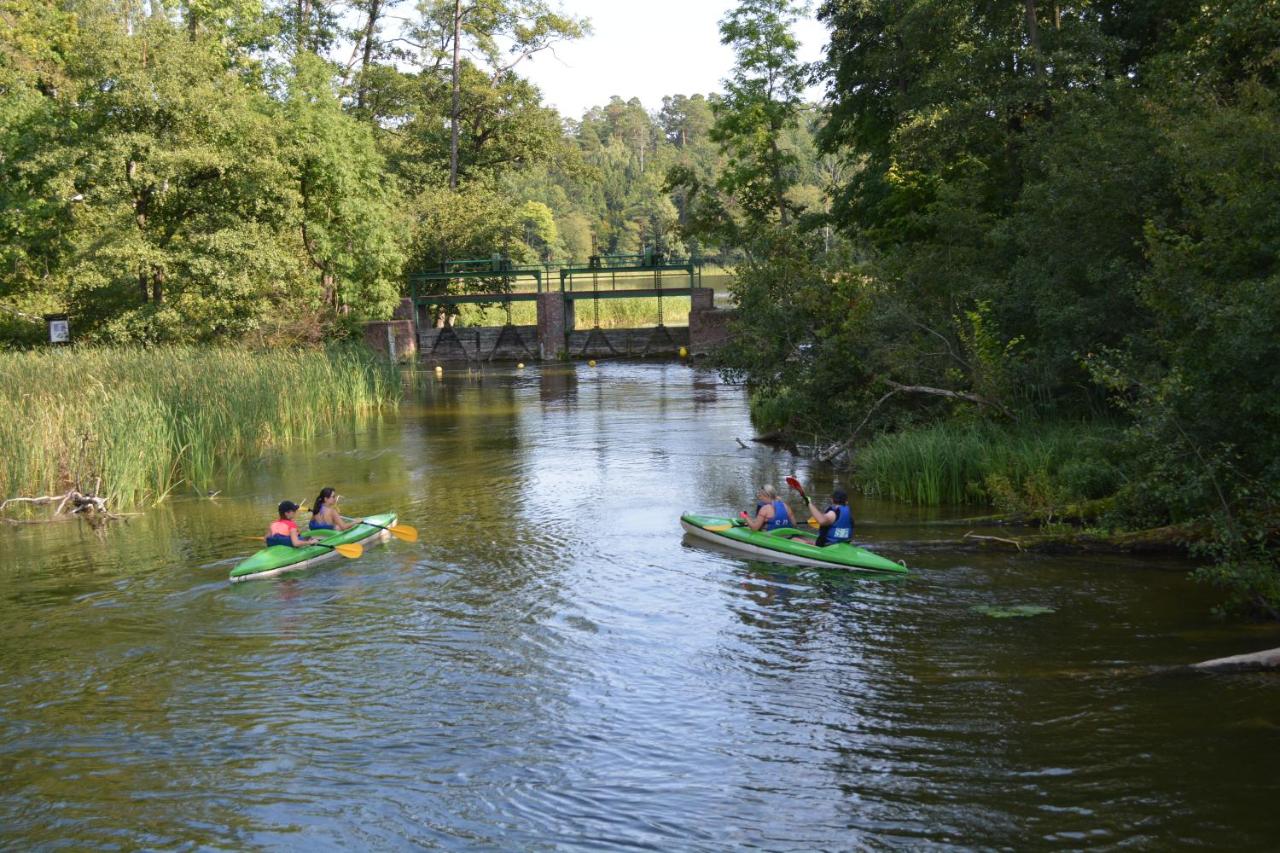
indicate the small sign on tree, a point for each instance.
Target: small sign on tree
{"x":59,"y":328}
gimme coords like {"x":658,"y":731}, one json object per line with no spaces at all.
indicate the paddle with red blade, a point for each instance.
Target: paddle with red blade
{"x":795,"y":484}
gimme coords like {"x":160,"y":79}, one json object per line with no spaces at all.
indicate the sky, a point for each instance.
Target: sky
{"x":646,"y":50}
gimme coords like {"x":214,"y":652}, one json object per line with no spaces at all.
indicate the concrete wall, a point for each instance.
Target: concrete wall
{"x":393,"y":339}
{"x":485,"y":343}
{"x":708,"y":325}
{"x":615,"y":343}
{"x":493,"y":344}
{"x":554,"y":317}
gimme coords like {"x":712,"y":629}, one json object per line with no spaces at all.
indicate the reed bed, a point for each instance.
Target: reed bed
{"x":145,"y":421}
{"x":1034,"y":467}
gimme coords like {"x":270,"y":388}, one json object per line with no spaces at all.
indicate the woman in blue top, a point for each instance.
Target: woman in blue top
{"x":324,"y":512}
{"x":835,"y":523}
{"x":771,"y":511}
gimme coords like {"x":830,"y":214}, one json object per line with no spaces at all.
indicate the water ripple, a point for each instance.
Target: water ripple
{"x":551,"y":667}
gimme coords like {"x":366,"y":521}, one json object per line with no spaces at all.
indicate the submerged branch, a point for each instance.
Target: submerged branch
{"x":1014,"y":542}
{"x":81,"y":504}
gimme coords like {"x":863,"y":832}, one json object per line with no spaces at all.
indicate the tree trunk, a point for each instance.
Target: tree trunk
{"x":1033,"y":36}
{"x":327,"y":285}
{"x":304,"y":23}
{"x":375,"y":6}
{"x":778,"y":193}
{"x":455,"y":109}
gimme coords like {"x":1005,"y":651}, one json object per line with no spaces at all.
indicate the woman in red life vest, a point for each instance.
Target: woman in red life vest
{"x":284,"y":531}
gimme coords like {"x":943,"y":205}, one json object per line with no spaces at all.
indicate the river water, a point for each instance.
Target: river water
{"x":553,"y":667}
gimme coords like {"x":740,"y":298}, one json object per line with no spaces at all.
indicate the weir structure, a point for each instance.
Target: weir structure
{"x":476,"y":281}
{"x":425,"y":320}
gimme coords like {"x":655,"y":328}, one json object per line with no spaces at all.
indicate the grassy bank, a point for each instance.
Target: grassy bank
{"x":1043,"y":469}
{"x":147,"y":420}
{"x":614,"y":313}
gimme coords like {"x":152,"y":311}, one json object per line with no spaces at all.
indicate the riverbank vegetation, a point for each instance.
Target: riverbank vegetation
{"x":1048,"y":271}
{"x":1022,"y":252}
{"x":144,"y":422}
{"x":1049,"y":471}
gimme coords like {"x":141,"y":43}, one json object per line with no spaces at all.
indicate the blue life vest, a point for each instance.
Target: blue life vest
{"x":780,"y":518}
{"x":279,"y":539}
{"x":316,"y":525}
{"x":840,"y":531}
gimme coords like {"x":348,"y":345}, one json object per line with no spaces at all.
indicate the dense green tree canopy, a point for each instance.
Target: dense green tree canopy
{"x":1043,"y":210}
{"x":1014,"y":210}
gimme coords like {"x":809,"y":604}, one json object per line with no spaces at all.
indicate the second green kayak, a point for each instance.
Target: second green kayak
{"x":786,"y":545}
{"x":276,"y":559}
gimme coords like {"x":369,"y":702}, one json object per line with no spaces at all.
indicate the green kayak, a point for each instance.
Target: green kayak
{"x":283,"y":558}
{"x":786,"y":545}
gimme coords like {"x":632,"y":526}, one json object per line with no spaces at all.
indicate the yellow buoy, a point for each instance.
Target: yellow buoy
{"x":439,"y":369}
{"x":684,"y":353}
{"x":591,"y":363}
{"x":520,"y":365}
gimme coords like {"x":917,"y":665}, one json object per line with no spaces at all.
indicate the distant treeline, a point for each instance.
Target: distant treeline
{"x":187,"y":172}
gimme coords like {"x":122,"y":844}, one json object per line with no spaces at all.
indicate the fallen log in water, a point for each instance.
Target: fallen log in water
{"x":69,"y":505}
{"x":1161,"y":541}
{"x":1252,"y":662}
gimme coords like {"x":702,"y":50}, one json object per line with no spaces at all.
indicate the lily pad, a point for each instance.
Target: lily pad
{"x":1011,"y":611}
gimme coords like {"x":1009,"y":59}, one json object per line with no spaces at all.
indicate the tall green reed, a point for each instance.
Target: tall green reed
{"x":1015,"y":466}
{"x":144,"y":421}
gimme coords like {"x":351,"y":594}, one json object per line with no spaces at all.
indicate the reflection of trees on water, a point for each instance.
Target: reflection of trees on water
{"x":801,"y":641}
{"x":558,"y":386}
{"x":771,"y":590}
{"x":469,"y":447}
{"x":705,"y":389}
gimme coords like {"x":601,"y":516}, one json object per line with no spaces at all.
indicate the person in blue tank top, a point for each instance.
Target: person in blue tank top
{"x":324,"y":512}
{"x":835,"y":523}
{"x":771,"y":511}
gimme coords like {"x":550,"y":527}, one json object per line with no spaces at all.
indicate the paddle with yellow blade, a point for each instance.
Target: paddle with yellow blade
{"x":402,"y":532}
{"x":350,"y":551}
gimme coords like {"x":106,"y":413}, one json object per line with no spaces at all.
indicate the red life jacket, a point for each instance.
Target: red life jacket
{"x":282,"y":527}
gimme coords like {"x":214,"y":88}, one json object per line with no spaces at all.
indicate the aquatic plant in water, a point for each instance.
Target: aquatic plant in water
{"x":1011,"y":611}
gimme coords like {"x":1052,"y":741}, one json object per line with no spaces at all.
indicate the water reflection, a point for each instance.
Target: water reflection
{"x":552,"y":667}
